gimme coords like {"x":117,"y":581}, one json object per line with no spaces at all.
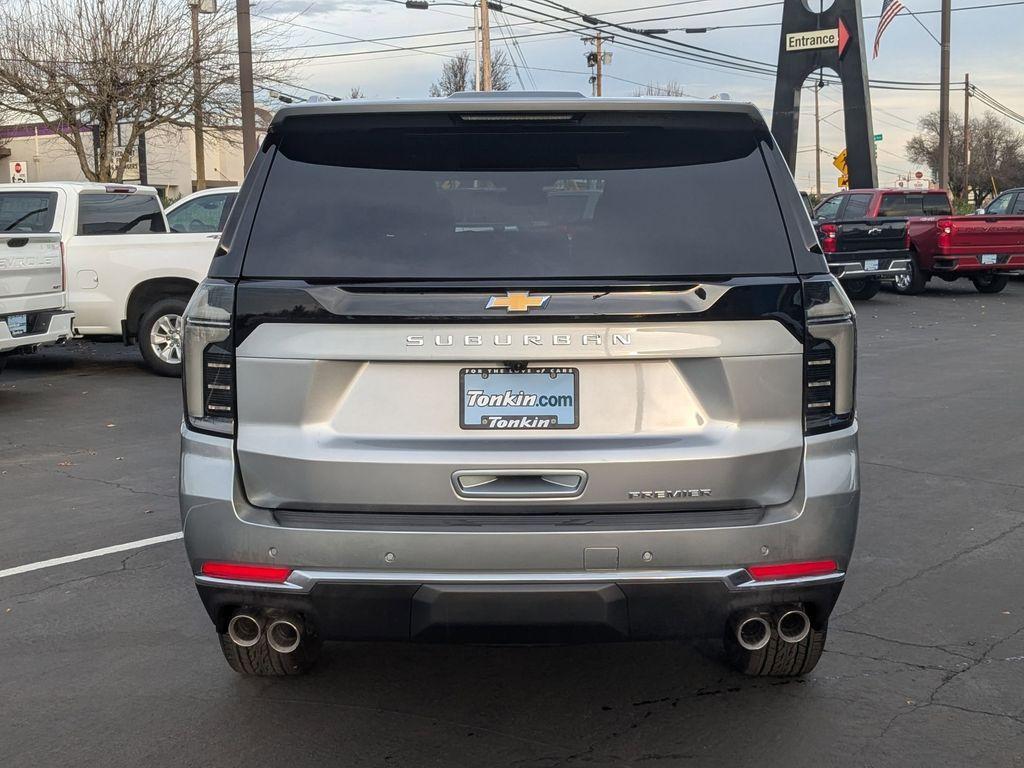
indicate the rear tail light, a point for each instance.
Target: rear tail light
{"x":829,"y":240}
{"x":63,"y":268}
{"x":947,"y":230}
{"x":830,"y":353}
{"x":209,"y":355}
{"x":777,"y":571}
{"x":241,"y":572}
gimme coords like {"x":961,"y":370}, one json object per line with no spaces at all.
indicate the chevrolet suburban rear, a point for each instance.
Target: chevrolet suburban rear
{"x":502,"y":367}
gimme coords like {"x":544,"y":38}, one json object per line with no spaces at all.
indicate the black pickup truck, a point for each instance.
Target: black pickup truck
{"x":863,"y":253}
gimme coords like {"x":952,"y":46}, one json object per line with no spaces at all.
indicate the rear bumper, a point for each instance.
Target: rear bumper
{"x":44,"y":328}
{"x":873,"y":267}
{"x":992,"y":262}
{"x":584,"y":578}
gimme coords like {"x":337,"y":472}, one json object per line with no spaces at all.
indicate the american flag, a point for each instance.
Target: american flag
{"x":890,"y":10}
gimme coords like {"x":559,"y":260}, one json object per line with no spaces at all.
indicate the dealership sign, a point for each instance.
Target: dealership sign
{"x":819,"y":38}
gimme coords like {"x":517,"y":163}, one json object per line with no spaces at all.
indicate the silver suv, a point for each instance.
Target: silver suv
{"x":517,"y":368}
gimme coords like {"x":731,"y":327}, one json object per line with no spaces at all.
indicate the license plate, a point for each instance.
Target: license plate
{"x":503,"y":399}
{"x":17,"y":324}
{"x":871,"y":265}
{"x":989,"y":258}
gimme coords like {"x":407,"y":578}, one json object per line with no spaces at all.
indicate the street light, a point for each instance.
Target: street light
{"x":196,"y":7}
{"x":481,"y":29}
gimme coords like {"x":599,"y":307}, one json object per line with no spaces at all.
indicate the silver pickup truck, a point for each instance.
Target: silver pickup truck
{"x":33,"y":297}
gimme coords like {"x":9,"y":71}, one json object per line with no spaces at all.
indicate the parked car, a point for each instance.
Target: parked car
{"x":1010,"y":202}
{"x":865,"y":253}
{"x":33,"y":299}
{"x":126,"y":276}
{"x":204,"y":211}
{"x":432,"y":397}
{"x":984,"y":249}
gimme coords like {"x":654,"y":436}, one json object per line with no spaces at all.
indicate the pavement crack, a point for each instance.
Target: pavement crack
{"x":904,"y":643}
{"x":940,"y":475}
{"x":115,"y":484}
{"x":928,"y":569}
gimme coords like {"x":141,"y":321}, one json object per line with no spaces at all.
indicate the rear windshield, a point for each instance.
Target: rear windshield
{"x":919,"y":204}
{"x":27,"y":211}
{"x":106,"y":213}
{"x":662,"y":197}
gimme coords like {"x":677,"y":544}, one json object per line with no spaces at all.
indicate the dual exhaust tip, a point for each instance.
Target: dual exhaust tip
{"x":755,"y":630}
{"x":283,"y":631}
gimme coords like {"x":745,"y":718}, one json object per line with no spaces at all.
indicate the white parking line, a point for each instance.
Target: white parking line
{"x":86,"y":555}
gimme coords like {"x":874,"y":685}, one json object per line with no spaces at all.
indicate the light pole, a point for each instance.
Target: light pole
{"x":196,"y":7}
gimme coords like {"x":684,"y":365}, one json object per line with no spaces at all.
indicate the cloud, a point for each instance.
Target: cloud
{"x":313,"y":8}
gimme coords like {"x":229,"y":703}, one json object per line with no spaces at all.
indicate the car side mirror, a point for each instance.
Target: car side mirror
{"x":979,"y":212}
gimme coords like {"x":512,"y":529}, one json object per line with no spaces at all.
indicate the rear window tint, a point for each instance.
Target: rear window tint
{"x":27,"y":211}
{"x":914,"y":204}
{"x":104,"y":213}
{"x":655,"y":199}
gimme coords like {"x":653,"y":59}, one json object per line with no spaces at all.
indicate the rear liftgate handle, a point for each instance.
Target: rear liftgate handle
{"x":518,"y":483}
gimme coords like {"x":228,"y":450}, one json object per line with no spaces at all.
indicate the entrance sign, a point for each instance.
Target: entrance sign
{"x":832,"y":41}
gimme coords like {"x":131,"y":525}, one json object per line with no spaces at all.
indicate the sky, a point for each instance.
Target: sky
{"x":984,"y":42}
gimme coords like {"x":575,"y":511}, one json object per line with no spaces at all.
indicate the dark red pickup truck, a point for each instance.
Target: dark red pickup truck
{"x":982,"y":247}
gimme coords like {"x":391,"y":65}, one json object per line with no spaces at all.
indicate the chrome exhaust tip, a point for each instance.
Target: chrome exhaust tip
{"x":753,"y":632}
{"x":793,"y":626}
{"x":284,"y":634}
{"x":245,"y":630}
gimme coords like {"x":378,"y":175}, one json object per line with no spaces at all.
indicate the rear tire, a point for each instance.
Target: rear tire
{"x":862,"y":290}
{"x":159,"y":336}
{"x":990,"y":282}
{"x":913,"y":283}
{"x":778,"y":658}
{"x":261,"y":660}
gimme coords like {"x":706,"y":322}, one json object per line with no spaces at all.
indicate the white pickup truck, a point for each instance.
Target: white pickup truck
{"x":128,"y":276}
{"x":33,"y":302}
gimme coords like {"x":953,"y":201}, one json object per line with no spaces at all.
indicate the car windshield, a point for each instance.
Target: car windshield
{"x":488,"y":202}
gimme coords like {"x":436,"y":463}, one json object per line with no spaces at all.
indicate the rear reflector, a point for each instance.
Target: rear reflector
{"x":792,"y":570}
{"x":239,"y":572}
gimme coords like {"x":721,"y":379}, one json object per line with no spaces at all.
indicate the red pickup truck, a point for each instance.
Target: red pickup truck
{"x":982,"y":247}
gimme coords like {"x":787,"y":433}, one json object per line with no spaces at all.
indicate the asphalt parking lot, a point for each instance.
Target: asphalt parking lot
{"x":112,"y":661}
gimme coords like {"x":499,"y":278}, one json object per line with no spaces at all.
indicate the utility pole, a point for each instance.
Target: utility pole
{"x":476,"y":47}
{"x":245,"y":81}
{"x":197,"y":97}
{"x":944,"y":98}
{"x":596,"y":59}
{"x":485,"y":43}
{"x":817,"y":135}
{"x":967,"y":137}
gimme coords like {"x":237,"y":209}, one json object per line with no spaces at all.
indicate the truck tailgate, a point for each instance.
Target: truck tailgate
{"x":884,"y":234}
{"x":31,"y":274}
{"x":982,"y":234}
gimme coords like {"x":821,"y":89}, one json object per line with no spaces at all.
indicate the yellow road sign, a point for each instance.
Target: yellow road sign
{"x":839,"y":161}
{"x":844,"y":181}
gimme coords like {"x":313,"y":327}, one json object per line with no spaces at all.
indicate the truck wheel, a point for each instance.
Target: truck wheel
{"x":990,"y":282}
{"x":912,"y":283}
{"x":159,"y":338}
{"x":862,"y":290}
{"x":261,"y":660}
{"x":778,"y":658}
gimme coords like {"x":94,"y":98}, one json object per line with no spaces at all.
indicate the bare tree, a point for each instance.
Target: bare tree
{"x":457,"y":74}
{"x":100,"y":66}
{"x":671,"y":88}
{"x":356,"y":93}
{"x":997,"y":154}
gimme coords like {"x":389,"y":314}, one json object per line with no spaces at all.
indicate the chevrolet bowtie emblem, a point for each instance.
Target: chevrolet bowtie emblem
{"x":517,"y":302}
